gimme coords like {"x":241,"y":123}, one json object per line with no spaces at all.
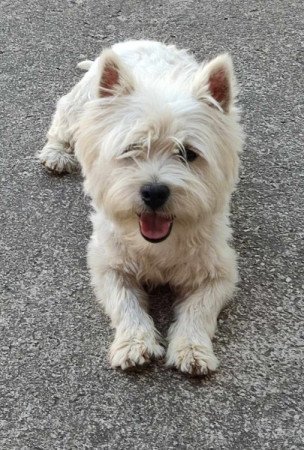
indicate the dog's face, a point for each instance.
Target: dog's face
{"x":161,"y":158}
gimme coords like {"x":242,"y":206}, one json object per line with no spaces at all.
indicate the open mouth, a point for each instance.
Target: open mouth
{"x":155,"y":227}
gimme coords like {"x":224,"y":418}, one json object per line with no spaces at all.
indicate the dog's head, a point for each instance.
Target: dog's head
{"x":160,"y":155}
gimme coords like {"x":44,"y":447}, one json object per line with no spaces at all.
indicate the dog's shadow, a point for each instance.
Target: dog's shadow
{"x":161,"y":300}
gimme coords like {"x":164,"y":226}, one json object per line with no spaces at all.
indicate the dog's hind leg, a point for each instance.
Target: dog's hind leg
{"x":58,"y":153}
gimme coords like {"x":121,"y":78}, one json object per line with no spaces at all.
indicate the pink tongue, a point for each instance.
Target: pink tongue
{"x":154,"y":226}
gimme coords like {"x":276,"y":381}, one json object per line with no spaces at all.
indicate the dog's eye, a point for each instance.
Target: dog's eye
{"x":130,"y":151}
{"x":130,"y":148}
{"x":189,"y":154}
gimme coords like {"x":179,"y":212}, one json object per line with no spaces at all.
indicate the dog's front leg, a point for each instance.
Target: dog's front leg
{"x":136,"y":339}
{"x":190,"y":347}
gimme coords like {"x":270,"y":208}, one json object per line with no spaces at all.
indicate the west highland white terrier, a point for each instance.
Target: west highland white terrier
{"x":157,"y":137}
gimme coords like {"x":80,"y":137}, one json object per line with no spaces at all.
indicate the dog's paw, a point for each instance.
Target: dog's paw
{"x":58,"y":160}
{"x":190,"y":358}
{"x":134,"y":351}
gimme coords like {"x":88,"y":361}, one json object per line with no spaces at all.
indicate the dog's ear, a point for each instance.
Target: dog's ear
{"x":115,"y":78}
{"x":216,"y":79}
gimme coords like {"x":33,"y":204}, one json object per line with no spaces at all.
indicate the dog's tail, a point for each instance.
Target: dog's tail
{"x":85,"y":65}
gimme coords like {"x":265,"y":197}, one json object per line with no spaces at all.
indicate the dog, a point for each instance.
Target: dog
{"x":158,"y":138}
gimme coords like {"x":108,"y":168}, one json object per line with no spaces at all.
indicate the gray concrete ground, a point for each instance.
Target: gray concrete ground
{"x":57,"y":390}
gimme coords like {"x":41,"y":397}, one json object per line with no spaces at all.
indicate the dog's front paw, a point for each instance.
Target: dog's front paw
{"x":57,"y":159}
{"x":194,"y":359}
{"x":136,"y":350}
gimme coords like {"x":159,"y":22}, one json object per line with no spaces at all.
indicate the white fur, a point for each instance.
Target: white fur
{"x":161,"y":101}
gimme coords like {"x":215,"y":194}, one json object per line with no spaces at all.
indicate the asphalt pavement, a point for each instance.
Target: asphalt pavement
{"x":57,"y":390}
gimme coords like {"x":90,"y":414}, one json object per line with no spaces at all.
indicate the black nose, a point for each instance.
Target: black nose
{"x":154,"y":195}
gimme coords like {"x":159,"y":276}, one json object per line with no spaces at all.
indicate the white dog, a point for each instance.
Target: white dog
{"x":157,"y":136}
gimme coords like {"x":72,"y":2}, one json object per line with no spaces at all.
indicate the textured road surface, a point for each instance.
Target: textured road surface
{"x":57,"y":391}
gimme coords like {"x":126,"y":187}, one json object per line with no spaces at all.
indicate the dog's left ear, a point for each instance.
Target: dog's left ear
{"x":115,"y":78}
{"x":216,"y":80}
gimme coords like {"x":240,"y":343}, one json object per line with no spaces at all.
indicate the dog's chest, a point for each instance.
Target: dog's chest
{"x":167,"y":268}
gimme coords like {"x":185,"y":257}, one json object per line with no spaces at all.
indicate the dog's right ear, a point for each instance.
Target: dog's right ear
{"x":115,"y":78}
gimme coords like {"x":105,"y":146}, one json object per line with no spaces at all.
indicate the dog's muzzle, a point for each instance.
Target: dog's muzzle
{"x":155,"y":227}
